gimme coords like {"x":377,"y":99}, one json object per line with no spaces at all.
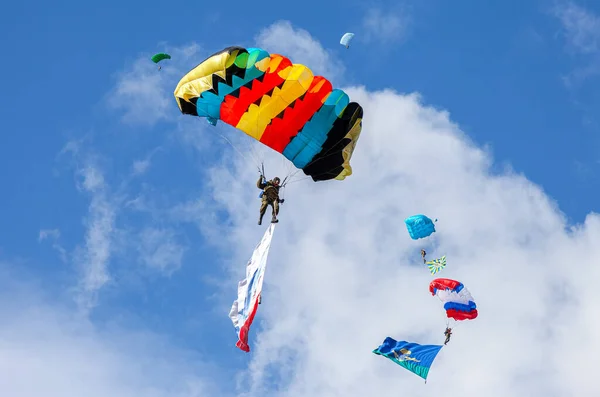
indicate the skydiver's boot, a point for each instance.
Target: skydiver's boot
{"x":260,"y":220}
{"x":274,"y":220}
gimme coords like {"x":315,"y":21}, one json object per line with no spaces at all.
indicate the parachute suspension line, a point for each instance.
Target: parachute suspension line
{"x":285,"y":181}
{"x":258,"y":158}
{"x":298,"y":180}
{"x":290,"y":178}
{"x":237,"y":150}
{"x":254,"y":158}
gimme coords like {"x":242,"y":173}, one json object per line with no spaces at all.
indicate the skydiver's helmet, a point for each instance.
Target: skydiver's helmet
{"x":276,"y":181}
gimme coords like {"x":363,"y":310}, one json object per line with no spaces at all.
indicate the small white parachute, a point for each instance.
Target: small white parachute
{"x":346,"y":39}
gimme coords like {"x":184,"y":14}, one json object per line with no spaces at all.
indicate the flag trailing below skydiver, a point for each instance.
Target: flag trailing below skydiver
{"x":437,"y":264}
{"x":419,"y":226}
{"x":281,"y":104}
{"x":244,"y":308}
{"x":434,"y":265}
{"x":412,"y":356}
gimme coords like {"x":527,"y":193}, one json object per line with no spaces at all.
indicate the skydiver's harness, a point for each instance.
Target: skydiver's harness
{"x":264,"y":181}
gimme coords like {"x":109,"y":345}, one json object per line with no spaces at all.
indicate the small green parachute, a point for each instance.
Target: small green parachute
{"x":156,"y":58}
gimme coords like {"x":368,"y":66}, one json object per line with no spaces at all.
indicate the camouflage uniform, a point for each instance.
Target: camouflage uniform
{"x":270,"y":197}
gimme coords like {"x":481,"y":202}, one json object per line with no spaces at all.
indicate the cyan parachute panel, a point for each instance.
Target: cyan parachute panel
{"x":419,"y":226}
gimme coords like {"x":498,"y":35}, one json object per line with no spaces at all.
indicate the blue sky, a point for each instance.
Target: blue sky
{"x":121,"y":214}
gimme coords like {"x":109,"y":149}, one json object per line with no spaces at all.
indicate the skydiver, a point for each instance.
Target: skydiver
{"x":270,"y":196}
{"x":448,"y":333}
{"x":423,"y":253}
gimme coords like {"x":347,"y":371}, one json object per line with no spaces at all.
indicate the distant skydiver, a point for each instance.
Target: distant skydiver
{"x":159,"y":57}
{"x":448,"y":333}
{"x":269,"y":196}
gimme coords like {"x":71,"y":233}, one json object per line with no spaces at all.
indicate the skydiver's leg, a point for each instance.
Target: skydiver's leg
{"x":263,"y":209}
{"x":275,"y":205}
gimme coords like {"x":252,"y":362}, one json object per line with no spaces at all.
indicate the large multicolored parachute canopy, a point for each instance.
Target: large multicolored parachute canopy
{"x":419,"y":226}
{"x":244,"y":308}
{"x":346,"y":39}
{"x":156,"y":58}
{"x":458,"y":302}
{"x":281,"y":104}
{"x":412,"y":356}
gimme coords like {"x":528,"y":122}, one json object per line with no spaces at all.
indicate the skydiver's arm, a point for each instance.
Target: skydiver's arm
{"x":260,"y":184}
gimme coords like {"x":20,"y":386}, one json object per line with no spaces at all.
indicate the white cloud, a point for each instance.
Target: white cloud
{"x":386,"y":25}
{"x":582,"y":32}
{"x":54,"y":235}
{"x":93,"y":259}
{"x":343,"y":273}
{"x":46,"y":350}
{"x":144,"y":94}
{"x":159,"y":249}
{"x":300,"y":47}
{"x":139,"y":167}
{"x":581,"y":27}
{"x":49,"y":233}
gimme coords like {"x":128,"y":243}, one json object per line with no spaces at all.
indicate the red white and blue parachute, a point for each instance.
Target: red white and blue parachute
{"x":458,"y":301}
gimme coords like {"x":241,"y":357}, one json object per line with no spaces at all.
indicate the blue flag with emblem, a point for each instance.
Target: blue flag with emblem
{"x":412,"y":356}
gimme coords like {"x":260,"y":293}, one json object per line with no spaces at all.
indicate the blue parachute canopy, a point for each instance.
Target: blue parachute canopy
{"x":419,"y":226}
{"x":346,"y":39}
{"x":412,"y":356}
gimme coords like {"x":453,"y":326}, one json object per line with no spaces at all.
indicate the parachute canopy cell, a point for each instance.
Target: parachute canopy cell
{"x":346,"y":39}
{"x":458,"y":302}
{"x":419,"y":226}
{"x":156,"y":58}
{"x":280,"y":104}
